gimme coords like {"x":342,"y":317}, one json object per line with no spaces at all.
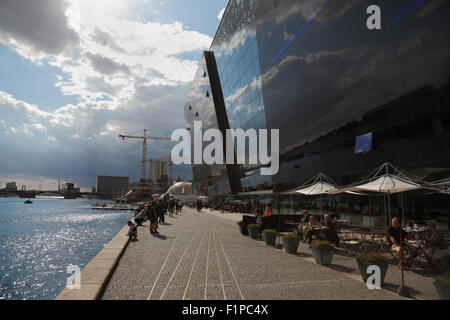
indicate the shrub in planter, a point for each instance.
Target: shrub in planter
{"x":243,"y":230}
{"x":323,"y":252}
{"x":365,"y":260}
{"x":270,"y":236}
{"x":442,"y":285}
{"x":290,"y":243}
{"x":253,"y":231}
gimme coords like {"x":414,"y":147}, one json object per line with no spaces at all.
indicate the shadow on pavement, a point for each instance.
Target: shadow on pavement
{"x":340,"y":268}
{"x":391,"y":287}
{"x":160,"y":236}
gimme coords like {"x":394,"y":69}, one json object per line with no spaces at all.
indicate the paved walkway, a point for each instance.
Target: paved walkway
{"x":204,"y":256}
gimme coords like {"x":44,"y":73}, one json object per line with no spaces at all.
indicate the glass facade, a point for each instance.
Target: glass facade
{"x":315,"y":71}
{"x":209,"y":179}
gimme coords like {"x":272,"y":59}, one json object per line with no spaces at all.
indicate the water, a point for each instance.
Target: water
{"x":38,"y":241}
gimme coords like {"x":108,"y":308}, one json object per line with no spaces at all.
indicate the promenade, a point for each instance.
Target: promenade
{"x":201,"y":256}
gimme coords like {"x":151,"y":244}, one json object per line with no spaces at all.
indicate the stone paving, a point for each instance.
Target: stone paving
{"x":203,"y":256}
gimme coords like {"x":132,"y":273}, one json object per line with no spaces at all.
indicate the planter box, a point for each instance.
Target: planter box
{"x":290,"y":245}
{"x":242,"y":228}
{"x":362,"y":266}
{"x":322,"y":257}
{"x":442,"y":290}
{"x":253,"y":233}
{"x":270,"y":238}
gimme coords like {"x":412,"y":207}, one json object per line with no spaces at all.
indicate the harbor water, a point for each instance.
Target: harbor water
{"x":39,"y":241}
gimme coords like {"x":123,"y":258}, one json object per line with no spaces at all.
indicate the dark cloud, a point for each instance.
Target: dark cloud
{"x":39,"y":24}
{"x":105,"y":39}
{"x":105,"y":65}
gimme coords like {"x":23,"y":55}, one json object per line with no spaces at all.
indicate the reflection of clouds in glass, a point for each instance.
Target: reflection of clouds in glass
{"x":344,"y":94}
{"x":335,"y":9}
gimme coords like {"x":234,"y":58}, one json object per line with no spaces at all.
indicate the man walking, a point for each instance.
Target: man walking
{"x":160,"y":212}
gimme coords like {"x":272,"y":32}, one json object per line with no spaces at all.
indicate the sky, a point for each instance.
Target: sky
{"x":74,"y":74}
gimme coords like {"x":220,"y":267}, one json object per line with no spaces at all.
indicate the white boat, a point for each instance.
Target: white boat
{"x":114,"y":207}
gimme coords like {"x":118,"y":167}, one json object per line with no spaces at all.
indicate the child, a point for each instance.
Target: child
{"x":132,"y":232}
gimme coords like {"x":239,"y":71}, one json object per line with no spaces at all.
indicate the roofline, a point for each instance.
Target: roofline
{"x":220,"y":24}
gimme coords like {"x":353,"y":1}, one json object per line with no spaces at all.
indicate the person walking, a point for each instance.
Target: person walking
{"x":199,"y":205}
{"x":152,"y":215}
{"x":160,"y":212}
{"x":170,"y":204}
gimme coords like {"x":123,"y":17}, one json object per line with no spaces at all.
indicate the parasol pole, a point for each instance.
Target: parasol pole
{"x":402,"y":290}
{"x":403,"y":210}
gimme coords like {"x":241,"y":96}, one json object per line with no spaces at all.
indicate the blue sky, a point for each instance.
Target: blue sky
{"x":76,"y":73}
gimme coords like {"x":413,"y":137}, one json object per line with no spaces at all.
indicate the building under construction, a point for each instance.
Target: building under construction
{"x":160,"y":171}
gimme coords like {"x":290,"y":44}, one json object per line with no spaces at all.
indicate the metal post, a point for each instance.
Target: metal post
{"x":402,"y":290}
{"x":389,"y":207}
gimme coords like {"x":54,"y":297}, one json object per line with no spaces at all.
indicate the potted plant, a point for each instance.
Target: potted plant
{"x":323,"y":252}
{"x":243,"y":230}
{"x":270,"y":236}
{"x":290,"y":243}
{"x":365,"y":260}
{"x":442,"y":285}
{"x":253,"y":231}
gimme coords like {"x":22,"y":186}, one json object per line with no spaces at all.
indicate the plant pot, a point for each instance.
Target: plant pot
{"x":290,"y":245}
{"x":243,"y":230}
{"x":363,"y":265}
{"x":443,"y":290}
{"x":253,"y":233}
{"x":322,"y":257}
{"x":270,"y":238}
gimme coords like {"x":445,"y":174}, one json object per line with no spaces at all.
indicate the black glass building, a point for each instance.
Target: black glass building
{"x":345,"y":98}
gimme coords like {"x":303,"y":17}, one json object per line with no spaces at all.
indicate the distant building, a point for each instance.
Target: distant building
{"x":11,"y":186}
{"x":70,"y":188}
{"x":107,"y":185}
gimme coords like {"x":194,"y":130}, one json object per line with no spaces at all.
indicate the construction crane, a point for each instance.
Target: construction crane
{"x":144,"y":147}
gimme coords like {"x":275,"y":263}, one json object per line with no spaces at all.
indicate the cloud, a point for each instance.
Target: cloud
{"x":105,"y":65}
{"x":127,"y":75}
{"x":36,"y":28}
{"x":220,"y":15}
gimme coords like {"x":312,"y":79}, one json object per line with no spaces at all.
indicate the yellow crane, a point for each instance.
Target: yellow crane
{"x":144,"y":147}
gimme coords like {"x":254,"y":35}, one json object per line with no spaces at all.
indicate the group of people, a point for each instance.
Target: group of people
{"x":311,"y":227}
{"x":433,"y":248}
{"x":154,"y":211}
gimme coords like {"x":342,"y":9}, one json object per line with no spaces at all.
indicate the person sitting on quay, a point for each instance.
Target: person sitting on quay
{"x":393,"y":235}
{"x":140,"y":217}
{"x":132,"y":232}
{"x":436,"y":246}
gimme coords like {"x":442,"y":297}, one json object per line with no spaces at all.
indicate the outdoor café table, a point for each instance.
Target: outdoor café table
{"x":372,"y":240}
{"x":348,"y":240}
{"x":359,"y":240}
{"x":293,"y":225}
